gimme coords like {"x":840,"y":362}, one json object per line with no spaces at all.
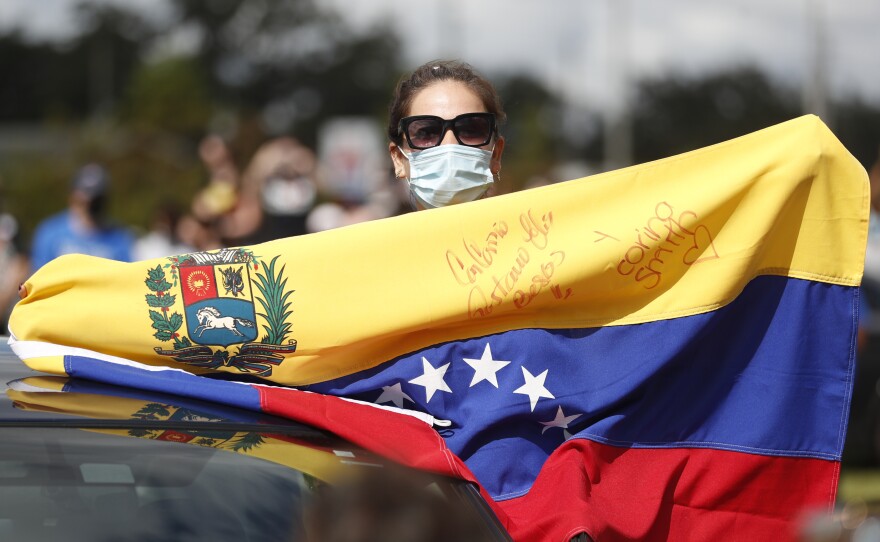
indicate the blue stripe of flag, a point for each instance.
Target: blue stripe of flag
{"x":165,"y":381}
{"x":770,"y":373}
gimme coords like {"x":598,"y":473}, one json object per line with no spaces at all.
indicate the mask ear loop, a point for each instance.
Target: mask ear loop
{"x":496,"y":177}
{"x":398,"y":172}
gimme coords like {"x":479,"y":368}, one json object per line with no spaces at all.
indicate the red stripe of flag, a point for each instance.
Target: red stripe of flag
{"x":617,"y":494}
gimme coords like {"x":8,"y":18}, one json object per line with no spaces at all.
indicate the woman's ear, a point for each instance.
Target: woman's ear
{"x":401,"y":164}
{"x":495,"y":162}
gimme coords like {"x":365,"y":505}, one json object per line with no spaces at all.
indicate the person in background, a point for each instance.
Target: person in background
{"x":13,"y":266}
{"x":278,"y":189}
{"x":198,"y":234}
{"x":163,"y":239}
{"x":390,"y":504}
{"x":83,"y":227}
{"x":221,"y":193}
{"x":443,"y":126}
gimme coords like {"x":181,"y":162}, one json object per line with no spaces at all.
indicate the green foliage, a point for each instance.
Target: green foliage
{"x":141,"y":433}
{"x":245,"y":442}
{"x":221,"y":357}
{"x":296,"y":58}
{"x":164,"y":301}
{"x":176,"y":321}
{"x":117,"y":93}
{"x":275,"y":303}
{"x":85,"y":75}
{"x":533,"y":144}
{"x":676,"y":114}
{"x":857,"y":124}
{"x":169,"y":95}
{"x":153,"y":411}
{"x":156,"y":280}
{"x":33,"y":187}
{"x":160,"y":321}
{"x":166,"y":325}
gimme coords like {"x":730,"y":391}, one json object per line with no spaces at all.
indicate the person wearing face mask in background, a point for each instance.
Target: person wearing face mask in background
{"x":83,"y":227}
{"x":278,"y":189}
{"x":443,"y":126}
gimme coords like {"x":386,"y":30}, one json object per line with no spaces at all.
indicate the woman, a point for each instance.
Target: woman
{"x":443,"y":127}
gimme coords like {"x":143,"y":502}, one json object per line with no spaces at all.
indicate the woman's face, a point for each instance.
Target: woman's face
{"x":445,"y":99}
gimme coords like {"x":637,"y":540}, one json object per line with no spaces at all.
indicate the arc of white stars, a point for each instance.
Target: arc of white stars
{"x":534,"y":387}
{"x":394,"y":394}
{"x":561,"y":421}
{"x":432,"y":379}
{"x":485,"y":368}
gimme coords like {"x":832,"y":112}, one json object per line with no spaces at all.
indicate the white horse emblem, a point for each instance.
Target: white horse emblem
{"x":210,"y":318}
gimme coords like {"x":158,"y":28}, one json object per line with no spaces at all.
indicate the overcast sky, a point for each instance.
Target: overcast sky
{"x":576,"y":45}
{"x":584,"y":47}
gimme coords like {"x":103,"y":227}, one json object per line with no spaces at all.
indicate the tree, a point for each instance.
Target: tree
{"x":73,"y":79}
{"x":139,"y":103}
{"x":675,"y":114}
{"x":534,"y":139}
{"x":857,"y":125}
{"x":170,"y":95}
{"x":290,"y":62}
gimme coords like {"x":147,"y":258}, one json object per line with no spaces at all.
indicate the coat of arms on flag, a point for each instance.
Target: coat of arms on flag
{"x":211,"y":438}
{"x":215,"y":294}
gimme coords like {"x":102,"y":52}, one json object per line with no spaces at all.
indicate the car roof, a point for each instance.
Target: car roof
{"x":17,"y":379}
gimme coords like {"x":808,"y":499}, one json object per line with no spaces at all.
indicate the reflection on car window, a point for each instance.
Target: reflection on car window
{"x":73,"y":485}
{"x":101,"y":485}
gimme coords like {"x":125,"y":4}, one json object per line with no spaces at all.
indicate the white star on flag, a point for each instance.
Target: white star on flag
{"x":395,"y":394}
{"x":562,"y":421}
{"x":534,"y":387}
{"x":485,"y":368}
{"x":432,"y":379}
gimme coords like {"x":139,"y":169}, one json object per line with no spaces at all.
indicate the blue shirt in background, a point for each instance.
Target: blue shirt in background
{"x":62,"y":234}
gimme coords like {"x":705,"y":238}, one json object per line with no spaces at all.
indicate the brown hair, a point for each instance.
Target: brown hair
{"x":432,"y":72}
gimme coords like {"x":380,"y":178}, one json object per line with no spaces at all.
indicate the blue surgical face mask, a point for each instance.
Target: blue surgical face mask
{"x":449,"y":174}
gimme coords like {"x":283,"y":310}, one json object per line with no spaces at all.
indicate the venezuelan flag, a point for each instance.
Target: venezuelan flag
{"x":660,"y":352}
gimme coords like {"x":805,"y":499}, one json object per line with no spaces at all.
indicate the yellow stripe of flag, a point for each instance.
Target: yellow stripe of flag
{"x":670,"y":238}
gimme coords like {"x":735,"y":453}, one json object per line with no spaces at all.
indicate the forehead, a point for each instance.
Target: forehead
{"x":446,"y":99}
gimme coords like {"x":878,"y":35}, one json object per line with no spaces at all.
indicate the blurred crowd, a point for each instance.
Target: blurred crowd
{"x":284,"y":190}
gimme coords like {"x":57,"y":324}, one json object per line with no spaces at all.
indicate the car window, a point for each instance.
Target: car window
{"x":87,"y":462}
{"x":72,"y":485}
{"x":78,"y":485}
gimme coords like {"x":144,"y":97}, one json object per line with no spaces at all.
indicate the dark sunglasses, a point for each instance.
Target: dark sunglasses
{"x":426,"y":131}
